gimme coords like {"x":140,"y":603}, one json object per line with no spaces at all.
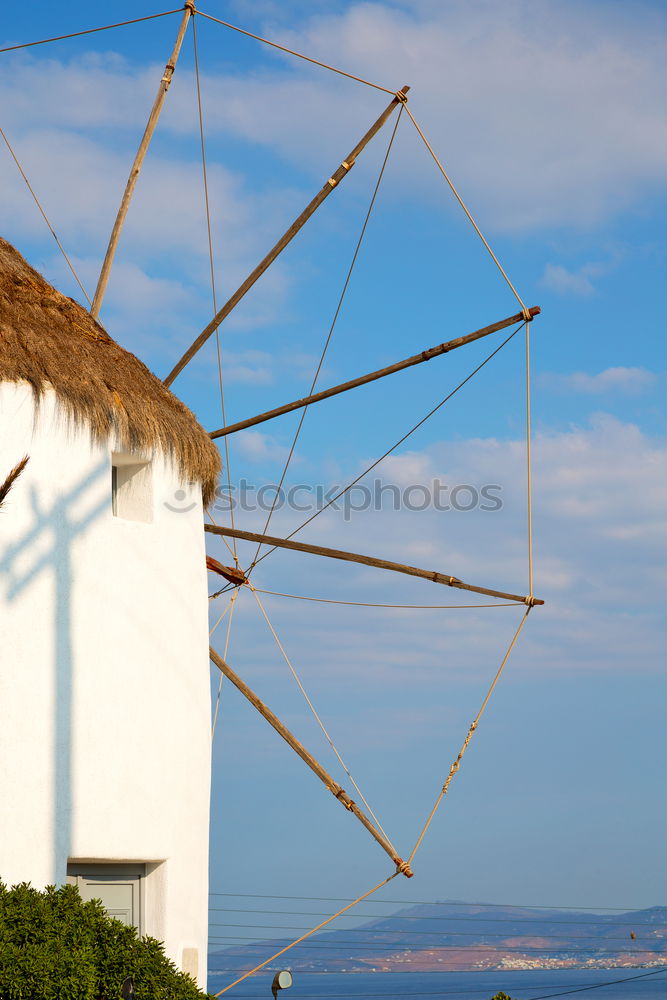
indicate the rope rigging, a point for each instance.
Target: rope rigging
{"x":393,"y":448}
{"x":299,"y":55}
{"x":408,"y":607}
{"x":44,"y":215}
{"x":303,"y":937}
{"x":207,"y":207}
{"x":316,"y":715}
{"x":332,"y":327}
{"x":232,"y":605}
{"x":399,"y":100}
{"x":89,"y":31}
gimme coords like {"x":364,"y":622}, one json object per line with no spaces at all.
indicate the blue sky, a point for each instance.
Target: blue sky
{"x":550,"y":117}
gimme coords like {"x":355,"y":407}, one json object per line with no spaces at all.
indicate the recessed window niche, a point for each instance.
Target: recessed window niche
{"x":131,"y":487}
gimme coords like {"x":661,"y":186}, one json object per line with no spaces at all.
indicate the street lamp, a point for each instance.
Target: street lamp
{"x":281,"y":981}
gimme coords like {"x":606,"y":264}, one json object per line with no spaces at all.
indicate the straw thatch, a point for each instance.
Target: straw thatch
{"x":50,"y":341}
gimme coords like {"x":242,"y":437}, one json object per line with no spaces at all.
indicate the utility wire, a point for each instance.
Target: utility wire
{"x":597,"y":986}
{"x":569,"y":987}
{"x":344,"y":909}
{"x":378,"y":931}
{"x":435,"y":902}
{"x":429,"y":972}
{"x":606,"y":922}
{"x":396,"y":949}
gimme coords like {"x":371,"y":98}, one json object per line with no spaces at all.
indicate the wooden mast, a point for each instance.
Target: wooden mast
{"x":188,"y":12}
{"x":416,"y":359}
{"x":333,"y":786}
{"x":355,"y":557}
{"x":287,"y":237}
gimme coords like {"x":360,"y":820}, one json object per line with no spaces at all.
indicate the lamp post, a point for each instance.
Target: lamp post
{"x":281,"y":981}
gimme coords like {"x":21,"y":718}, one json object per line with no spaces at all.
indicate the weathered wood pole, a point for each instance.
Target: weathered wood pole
{"x":416,"y":359}
{"x":188,"y":12}
{"x":355,"y":557}
{"x":333,"y":181}
{"x":333,"y":786}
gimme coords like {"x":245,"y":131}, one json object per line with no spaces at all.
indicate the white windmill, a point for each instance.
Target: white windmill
{"x":104,"y":677}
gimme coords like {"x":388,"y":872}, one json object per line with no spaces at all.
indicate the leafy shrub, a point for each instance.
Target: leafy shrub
{"x":54,"y":946}
{"x":501,"y":996}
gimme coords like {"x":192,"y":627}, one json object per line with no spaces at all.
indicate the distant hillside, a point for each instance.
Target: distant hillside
{"x":453,"y":936}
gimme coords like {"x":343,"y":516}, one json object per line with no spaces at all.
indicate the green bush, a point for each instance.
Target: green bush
{"x":501,"y":996}
{"x":53,"y":946}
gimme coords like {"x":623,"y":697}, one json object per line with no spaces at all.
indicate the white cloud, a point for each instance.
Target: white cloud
{"x":600,"y":497}
{"x":559,"y":279}
{"x":559,"y":123}
{"x":629,"y":381}
{"x":257,"y":447}
{"x":547,"y":113}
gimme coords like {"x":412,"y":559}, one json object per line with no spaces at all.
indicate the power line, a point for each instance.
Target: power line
{"x":597,"y":986}
{"x":428,"y":972}
{"x":400,"y":916}
{"x":438,"y":902}
{"x":376,"y":947}
{"x":569,"y":987}
{"x":440,"y":933}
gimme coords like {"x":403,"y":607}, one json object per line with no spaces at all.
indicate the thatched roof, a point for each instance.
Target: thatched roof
{"x":49,"y":341}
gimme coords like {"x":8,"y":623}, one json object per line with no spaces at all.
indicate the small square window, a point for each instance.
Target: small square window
{"x":131,"y":488}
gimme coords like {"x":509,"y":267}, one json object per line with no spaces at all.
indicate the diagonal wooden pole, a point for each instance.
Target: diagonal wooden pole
{"x":188,"y":12}
{"x":287,"y":237}
{"x":416,"y":359}
{"x":355,"y":557}
{"x":333,"y":786}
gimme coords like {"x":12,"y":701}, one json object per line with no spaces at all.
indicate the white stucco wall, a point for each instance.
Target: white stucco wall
{"x":104,"y":674}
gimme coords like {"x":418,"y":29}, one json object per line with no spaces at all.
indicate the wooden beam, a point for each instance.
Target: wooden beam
{"x":355,"y":557}
{"x":286,"y":238}
{"x":165,"y":82}
{"x":336,"y":790}
{"x":416,"y":359}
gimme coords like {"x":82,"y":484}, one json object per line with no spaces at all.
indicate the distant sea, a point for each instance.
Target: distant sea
{"x":520,"y":985}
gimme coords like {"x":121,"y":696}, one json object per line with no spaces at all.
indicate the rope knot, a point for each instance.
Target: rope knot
{"x":527,"y":314}
{"x":403,"y":868}
{"x":400,"y":96}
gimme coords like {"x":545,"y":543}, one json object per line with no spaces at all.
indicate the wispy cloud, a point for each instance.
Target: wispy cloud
{"x":257,"y":447}
{"x":587,"y":481}
{"x":628,"y":381}
{"x":566,"y":132}
{"x":565,"y":282}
